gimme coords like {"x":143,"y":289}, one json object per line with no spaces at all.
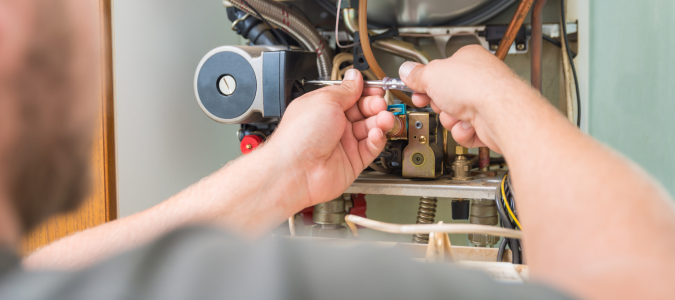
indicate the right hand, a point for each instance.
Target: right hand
{"x":464,"y":89}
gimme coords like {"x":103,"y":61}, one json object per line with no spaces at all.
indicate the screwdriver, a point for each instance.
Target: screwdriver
{"x":385,"y":84}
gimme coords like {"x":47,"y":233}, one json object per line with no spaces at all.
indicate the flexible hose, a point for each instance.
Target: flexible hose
{"x":294,"y":24}
{"x":368,"y":52}
{"x":428,"y":228}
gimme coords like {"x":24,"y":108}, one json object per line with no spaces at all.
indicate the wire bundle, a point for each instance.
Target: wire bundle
{"x":508,"y":217}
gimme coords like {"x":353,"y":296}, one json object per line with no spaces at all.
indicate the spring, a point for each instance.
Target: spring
{"x":425,"y":215}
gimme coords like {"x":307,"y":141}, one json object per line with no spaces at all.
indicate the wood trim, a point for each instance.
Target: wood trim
{"x":101,"y":206}
{"x":108,"y":96}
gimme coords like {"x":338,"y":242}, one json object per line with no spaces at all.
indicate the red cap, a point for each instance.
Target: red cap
{"x":359,"y":208}
{"x":249,"y":143}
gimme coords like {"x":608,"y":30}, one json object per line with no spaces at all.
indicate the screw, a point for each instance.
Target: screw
{"x":418,"y":125}
{"x":520,"y":47}
{"x":423,"y":140}
{"x":494,"y":47}
{"x":418,"y":159}
{"x":249,"y":146}
{"x":227,"y":85}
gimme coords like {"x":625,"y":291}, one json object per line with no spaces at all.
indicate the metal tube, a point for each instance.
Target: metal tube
{"x":514,"y":26}
{"x":537,"y":41}
{"x":483,"y":158}
{"x":296,"y":25}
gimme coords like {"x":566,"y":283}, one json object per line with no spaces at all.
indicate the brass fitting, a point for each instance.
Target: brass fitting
{"x":461,"y":167}
{"x":461,"y":150}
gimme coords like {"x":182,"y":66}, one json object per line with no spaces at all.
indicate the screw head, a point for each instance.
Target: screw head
{"x":520,"y":47}
{"x":418,"y":159}
{"x":418,"y":125}
{"x":423,"y":140}
{"x":227,"y":85}
{"x":494,"y":47}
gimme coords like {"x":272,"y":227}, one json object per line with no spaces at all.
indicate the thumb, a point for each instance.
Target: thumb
{"x":347,"y":93}
{"x":411,"y":74}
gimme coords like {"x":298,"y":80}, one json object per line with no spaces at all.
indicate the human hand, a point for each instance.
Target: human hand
{"x":466,"y":90}
{"x":329,"y":136}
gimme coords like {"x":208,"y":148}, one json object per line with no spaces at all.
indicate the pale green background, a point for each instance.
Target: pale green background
{"x":632,"y":81}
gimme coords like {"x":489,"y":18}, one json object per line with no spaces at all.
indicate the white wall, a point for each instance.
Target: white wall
{"x":164,"y":141}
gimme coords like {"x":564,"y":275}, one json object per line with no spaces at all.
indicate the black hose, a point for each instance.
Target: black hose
{"x":557,"y":44}
{"x":251,"y":28}
{"x":274,"y":31}
{"x":502,"y":248}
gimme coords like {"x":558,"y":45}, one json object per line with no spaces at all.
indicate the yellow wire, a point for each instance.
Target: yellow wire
{"x":506,"y":202}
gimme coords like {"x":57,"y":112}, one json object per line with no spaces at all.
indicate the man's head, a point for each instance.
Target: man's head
{"x":48,"y":82}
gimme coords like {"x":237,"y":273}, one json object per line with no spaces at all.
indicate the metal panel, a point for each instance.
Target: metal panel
{"x":374,"y":183}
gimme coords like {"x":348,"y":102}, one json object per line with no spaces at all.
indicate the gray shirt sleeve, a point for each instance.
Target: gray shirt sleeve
{"x":200,"y":263}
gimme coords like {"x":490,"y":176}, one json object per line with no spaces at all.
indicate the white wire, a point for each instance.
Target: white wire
{"x":337,"y":23}
{"x":428,"y":228}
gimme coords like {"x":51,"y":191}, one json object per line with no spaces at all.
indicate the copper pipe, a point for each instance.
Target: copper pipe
{"x":537,"y":41}
{"x":514,"y":26}
{"x":368,"y":52}
{"x":483,"y":158}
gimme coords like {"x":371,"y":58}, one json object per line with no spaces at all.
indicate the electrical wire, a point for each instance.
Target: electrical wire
{"x":428,"y":228}
{"x":506,"y":222}
{"x":557,"y":44}
{"x":337,"y":25}
{"x":569,"y":54}
{"x":508,"y":207}
{"x":274,"y":31}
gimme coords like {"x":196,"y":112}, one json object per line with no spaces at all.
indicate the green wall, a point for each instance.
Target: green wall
{"x":632,"y":81}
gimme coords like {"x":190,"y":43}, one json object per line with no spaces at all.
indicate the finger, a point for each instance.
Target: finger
{"x":372,"y":92}
{"x":411,"y":74}
{"x":347,"y":93}
{"x":366,"y":107}
{"x":371,"y":147}
{"x":465,"y":135}
{"x":383,"y":120}
{"x":434,"y":107}
{"x":371,"y":105}
{"x":448,"y":121}
{"x":420,"y":99}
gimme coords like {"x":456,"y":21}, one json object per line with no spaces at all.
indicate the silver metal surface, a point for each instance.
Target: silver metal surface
{"x":375,"y":183}
{"x":385,"y":84}
{"x":424,"y":12}
{"x":227,"y":85}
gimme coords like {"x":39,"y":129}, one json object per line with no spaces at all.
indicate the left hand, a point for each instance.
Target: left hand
{"x":329,"y":136}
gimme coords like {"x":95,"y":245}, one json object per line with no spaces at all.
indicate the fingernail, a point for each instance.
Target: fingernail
{"x":381,"y":133}
{"x":406,"y":68}
{"x":466,"y":125}
{"x":350,"y":75}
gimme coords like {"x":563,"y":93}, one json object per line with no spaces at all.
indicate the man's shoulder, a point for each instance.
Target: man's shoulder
{"x":204,"y":263}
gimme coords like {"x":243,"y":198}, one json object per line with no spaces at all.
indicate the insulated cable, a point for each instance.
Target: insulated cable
{"x":569,"y":54}
{"x":428,"y":228}
{"x":337,"y":25}
{"x":506,"y":202}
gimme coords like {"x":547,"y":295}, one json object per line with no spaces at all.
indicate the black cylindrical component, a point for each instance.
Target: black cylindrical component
{"x":425,"y":215}
{"x":460,"y":209}
{"x":251,"y":28}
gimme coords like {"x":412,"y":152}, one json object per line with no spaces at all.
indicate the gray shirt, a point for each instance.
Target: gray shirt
{"x":200,"y":263}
